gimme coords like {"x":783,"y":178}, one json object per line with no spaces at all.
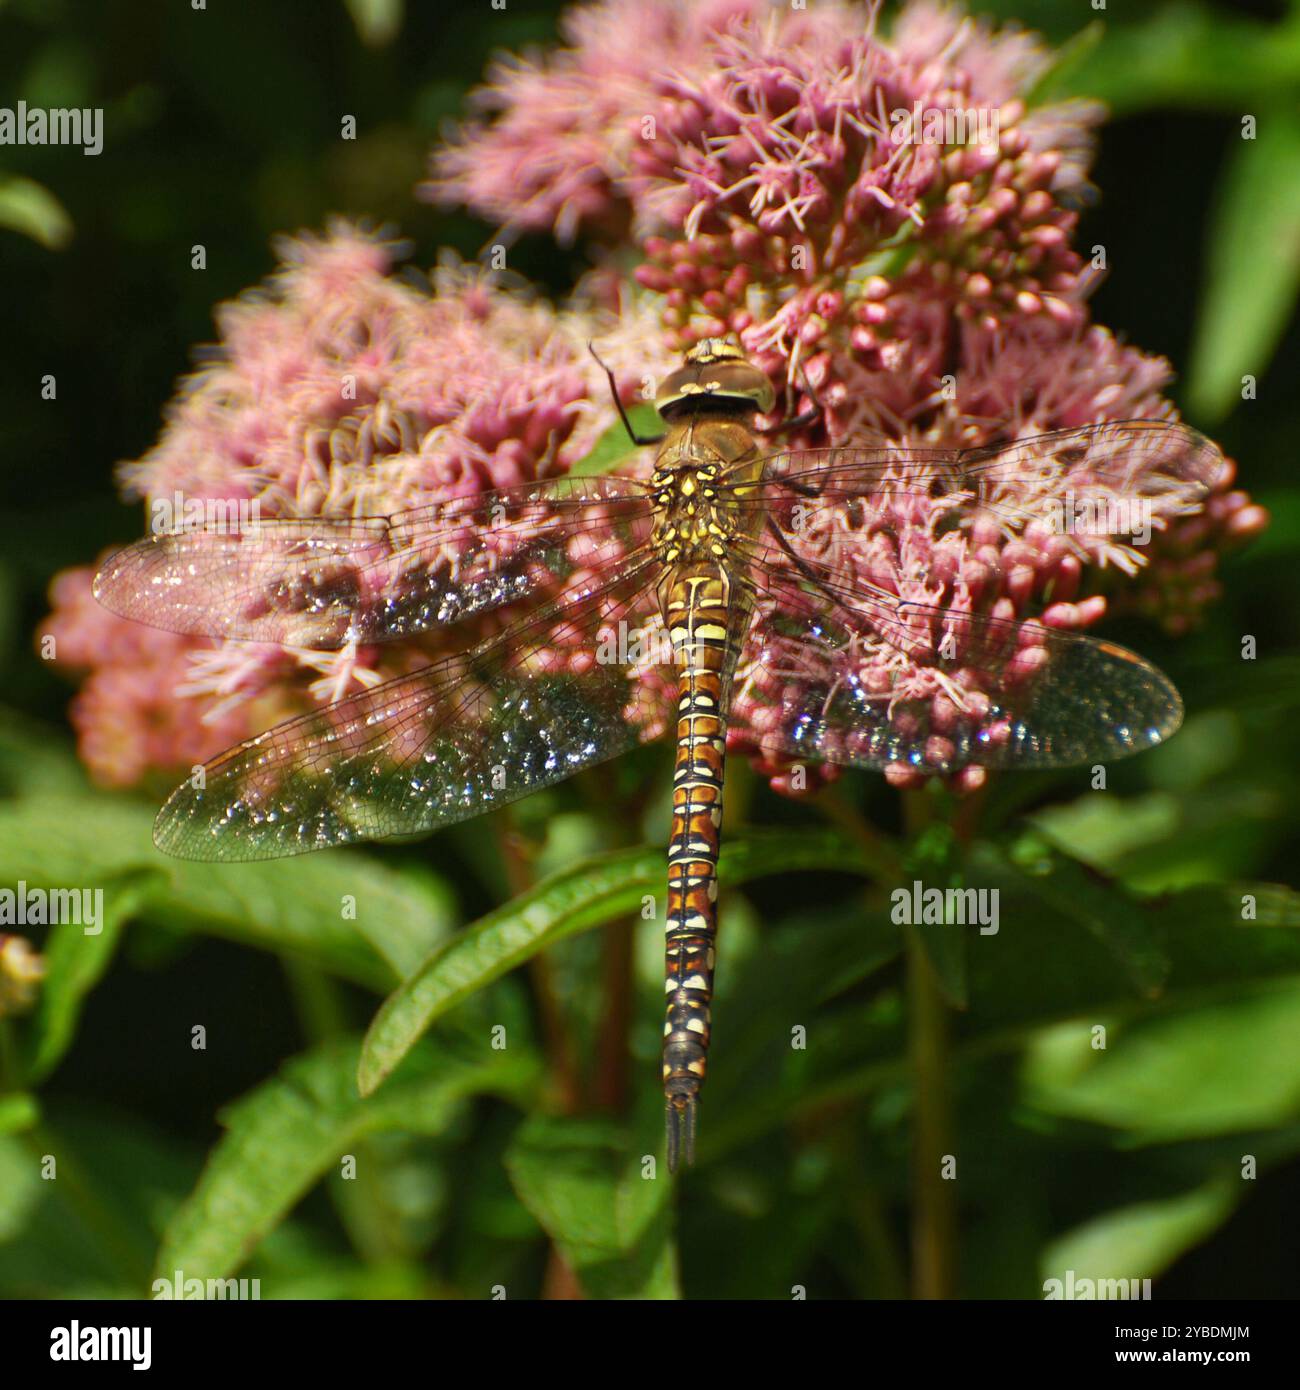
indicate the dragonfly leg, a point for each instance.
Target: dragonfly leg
{"x":799,"y":422}
{"x":810,"y":416}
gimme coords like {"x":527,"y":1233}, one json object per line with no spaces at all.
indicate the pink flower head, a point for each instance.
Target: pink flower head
{"x":566,"y":126}
{"x":336,"y":390}
{"x":886,"y":225}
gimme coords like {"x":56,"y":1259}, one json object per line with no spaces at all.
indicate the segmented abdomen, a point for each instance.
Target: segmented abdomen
{"x":704,"y":626}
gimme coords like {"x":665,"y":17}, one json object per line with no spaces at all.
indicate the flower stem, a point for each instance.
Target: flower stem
{"x":934,"y":1216}
{"x":611,"y":1081}
{"x":613,"y":1051}
{"x":933,"y":1205}
{"x":879,"y":851}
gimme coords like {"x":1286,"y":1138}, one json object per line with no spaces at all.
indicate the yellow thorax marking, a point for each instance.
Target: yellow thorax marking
{"x":691,"y":520}
{"x":714,"y":350}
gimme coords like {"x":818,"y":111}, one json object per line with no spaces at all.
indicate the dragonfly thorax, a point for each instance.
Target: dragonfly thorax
{"x":692,"y":522}
{"x":704,"y":467}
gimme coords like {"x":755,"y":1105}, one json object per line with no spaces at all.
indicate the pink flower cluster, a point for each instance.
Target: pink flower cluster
{"x":756,"y":148}
{"x":886,"y":224}
{"x":336,"y":389}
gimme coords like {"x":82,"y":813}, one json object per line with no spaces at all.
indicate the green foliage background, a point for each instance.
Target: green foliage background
{"x":1120,"y":908}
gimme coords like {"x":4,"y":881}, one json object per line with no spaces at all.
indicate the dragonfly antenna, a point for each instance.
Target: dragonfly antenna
{"x":622,"y":414}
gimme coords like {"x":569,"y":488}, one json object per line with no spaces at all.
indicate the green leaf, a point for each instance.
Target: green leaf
{"x":1036,"y":971}
{"x":1142,"y":1240}
{"x":614,"y":447}
{"x":334,"y":1280}
{"x":281,"y":1138}
{"x":18,"y":1111}
{"x":1067,"y":63}
{"x":1166,"y":840}
{"x":20,"y":1186}
{"x":1253,"y":262}
{"x":786,"y":984}
{"x":584,"y":895}
{"x":75,"y":961}
{"x":606,"y":1208}
{"x":293,"y":905}
{"x":1100,"y":828}
{"x":1270,"y":552}
{"x":1041,"y":969}
{"x":1188,"y":55}
{"x":1215,"y":1070}
{"x":1274,"y":684}
{"x":377,"y":21}
{"x":1075,"y":893}
{"x":36,"y":759}
{"x":99,"y":1220}
{"x":30,"y":208}
{"x":1208,"y":746}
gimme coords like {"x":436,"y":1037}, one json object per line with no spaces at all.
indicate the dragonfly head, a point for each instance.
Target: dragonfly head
{"x":716,"y":376}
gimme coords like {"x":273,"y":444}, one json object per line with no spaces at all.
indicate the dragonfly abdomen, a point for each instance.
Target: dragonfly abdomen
{"x":702,"y":623}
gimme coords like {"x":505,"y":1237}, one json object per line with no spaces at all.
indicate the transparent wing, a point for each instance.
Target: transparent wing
{"x":851,"y":675}
{"x":528,"y":708}
{"x":1106,"y":479}
{"x":322,"y":582}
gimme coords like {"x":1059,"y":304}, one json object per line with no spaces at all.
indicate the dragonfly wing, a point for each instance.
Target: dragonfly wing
{"x":859,"y":678}
{"x":323,"y":582}
{"x":1105,"y":480}
{"x":530,"y":707}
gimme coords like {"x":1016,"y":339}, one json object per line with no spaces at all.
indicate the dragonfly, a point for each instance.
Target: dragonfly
{"x":774,"y":583}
